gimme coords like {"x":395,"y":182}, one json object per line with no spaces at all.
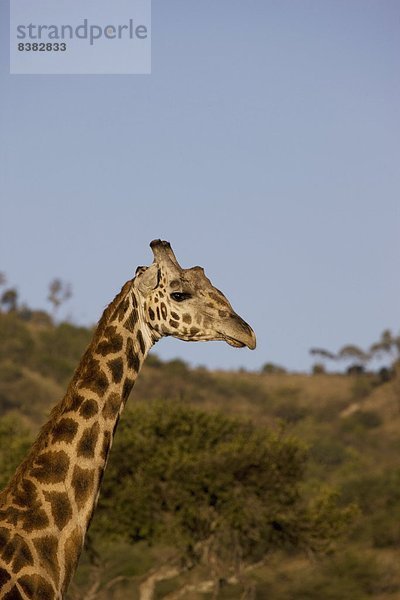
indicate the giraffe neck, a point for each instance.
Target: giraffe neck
{"x":46,"y":508}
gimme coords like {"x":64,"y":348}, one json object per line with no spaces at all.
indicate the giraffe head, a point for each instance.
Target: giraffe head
{"x":183,"y":303}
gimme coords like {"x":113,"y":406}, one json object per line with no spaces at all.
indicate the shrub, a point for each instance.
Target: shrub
{"x":272,"y":369}
{"x":15,"y":441}
{"x":290,"y":411}
{"x":185,"y":478}
{"x":328,"y":452}
{"x":362,"y":419}
{"x":17,"y":344}
{"x":345,"y":576}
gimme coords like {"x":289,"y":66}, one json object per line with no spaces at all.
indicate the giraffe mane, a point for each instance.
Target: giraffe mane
{"x":43,"y":436}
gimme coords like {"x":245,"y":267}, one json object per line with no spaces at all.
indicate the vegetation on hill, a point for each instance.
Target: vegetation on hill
{"x":241,"y":485}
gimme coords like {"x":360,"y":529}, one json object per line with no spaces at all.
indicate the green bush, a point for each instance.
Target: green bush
{"x":328,"y":452}
{"x":344,"y":576}
{"x":362,"y":387}
{"x":60,"y":350}
{"x":183,"y":477}
{"x":272,"y":369}
{"x":362,"y":419}
{"x":17,"y":344}
{"x":291,"y":412}
{"x":15,"y":441}
{"x":10,"y":372}
{"x":378,"y":497}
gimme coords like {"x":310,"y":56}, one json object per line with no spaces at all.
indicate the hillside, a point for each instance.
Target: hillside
{"x":350,"y":424}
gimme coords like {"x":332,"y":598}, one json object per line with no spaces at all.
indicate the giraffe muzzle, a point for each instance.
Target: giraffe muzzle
{"x":238,"y":333}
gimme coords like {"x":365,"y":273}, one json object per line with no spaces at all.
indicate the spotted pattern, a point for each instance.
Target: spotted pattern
{"x":111,"y":406}
{"x":89,"y":409}
{"x":52,"y":489}
{"x":60,"y":507}
{"x":46,"y":548}
{"x":106,"y":445}
{"x":35,"y":586}
{"x":82,"y":484}
{"x":111,"y":343}
{"x":126,"y":390}
{"x":51,"y":467}
{"x":65,"y":430}
{"x":29,"y":518}
{"x":132,"y":359}
{"x":4,"y":577}
{"x":87,"y":444}
{"x":130,"y":322}
{"x":164,"y":312}
{"x":75,"y":402}
{"x":13,"y":594}
{"x":117,"y":369}
{"x":72,"y":550}
{"x":94,"y":378}
{"x":14,"y":550}
{"x":140,"y":339}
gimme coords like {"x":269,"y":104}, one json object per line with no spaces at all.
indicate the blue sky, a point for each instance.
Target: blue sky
{"x":264,"y":146}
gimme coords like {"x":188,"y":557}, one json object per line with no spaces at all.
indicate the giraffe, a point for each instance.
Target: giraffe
{"x":47,"y":506}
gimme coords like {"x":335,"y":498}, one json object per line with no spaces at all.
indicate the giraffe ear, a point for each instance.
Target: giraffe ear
{"x":148,"y":279}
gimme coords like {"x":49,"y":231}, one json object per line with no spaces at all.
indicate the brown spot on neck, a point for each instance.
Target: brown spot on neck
{"x":83,"y":485}
{"x":131,"y":320}
{"x":65,"y":430}
{"x":89,"y":409}
{"x":111,"y":406}
{"x":128,"y":385}
{"x":141,"y":342}
{"x":4,"y":577}
{"x":132,"y":358}
{"x":87,"y":444}
{"x":35,"y":586}
{"x":51,"y":467}
{"x":94,"y":378}
{"x":47,"y":547}
{"x":14,"y":548}
{"x":117,"y":369}
{"x":111,"y":343}
{"x":72,"y":551}
{"x":60,"y":508}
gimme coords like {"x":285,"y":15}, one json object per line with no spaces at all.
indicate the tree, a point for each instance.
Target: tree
{"x":272,"y":369}
{"x":59,"y":292}
{"x":321,"y":352}
{"x":388,"y":344}
{"x":9,"y":299}
{"x":346,"y":353}
{"x":352,"y":352}
{"x":221,"y":492}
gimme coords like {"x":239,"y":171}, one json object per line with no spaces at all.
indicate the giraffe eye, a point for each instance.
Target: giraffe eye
{"x":180,"y":296}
